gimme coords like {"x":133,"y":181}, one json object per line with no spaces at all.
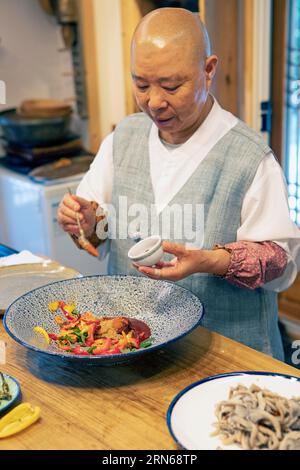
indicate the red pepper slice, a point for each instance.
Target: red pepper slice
{"x":101,"y":352}
{"x":79,"y":351}
{"x":113,"y":351}
{"x":67,"y":315}
{"x":91,"y":331}
{"x":53,"y":336}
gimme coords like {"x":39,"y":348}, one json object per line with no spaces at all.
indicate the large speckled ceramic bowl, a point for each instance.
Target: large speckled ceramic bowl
{"x":170,"y":311}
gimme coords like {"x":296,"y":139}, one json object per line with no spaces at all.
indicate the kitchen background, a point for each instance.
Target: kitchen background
{"x":78,"y":52}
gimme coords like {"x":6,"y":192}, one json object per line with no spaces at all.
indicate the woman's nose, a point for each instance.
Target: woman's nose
{"x":156,"y":100}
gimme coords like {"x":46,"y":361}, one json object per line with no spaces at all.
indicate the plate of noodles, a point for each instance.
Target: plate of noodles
{"x":238,"y":411}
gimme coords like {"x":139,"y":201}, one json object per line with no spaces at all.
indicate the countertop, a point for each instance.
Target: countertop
{"x":121,"y":407}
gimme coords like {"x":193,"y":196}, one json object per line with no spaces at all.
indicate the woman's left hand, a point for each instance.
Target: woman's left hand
{"x":187,"y":261}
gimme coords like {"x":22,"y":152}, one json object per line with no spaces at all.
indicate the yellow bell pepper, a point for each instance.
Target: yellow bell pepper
{"x":43,"y":332}
{"x":53,"y":306}
{"x":69,"y":308}
{"x":18,"y":419}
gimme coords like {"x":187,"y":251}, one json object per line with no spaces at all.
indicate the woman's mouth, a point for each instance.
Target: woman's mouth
{"x":163,"y":122}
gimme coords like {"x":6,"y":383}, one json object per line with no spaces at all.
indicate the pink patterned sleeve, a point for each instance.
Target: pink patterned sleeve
{"x":253,"y":264}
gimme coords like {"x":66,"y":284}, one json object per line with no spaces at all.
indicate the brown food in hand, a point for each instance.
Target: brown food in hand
{"x":87,"y":246}
{"x":82,"y":240}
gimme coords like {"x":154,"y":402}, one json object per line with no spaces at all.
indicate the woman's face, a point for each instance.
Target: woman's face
{"x":171,"y":88}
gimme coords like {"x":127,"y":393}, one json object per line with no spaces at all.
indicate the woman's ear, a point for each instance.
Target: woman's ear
{"x":210,"y":68}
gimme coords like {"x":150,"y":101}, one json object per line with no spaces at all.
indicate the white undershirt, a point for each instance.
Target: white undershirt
{"x":265,"y":212}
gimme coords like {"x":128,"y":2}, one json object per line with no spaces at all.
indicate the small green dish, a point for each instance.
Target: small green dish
{"x":14,"y":389}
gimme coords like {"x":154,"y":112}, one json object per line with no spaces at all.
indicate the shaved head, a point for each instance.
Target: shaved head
{"x":172,"y":70}
{"x":175,"y":27}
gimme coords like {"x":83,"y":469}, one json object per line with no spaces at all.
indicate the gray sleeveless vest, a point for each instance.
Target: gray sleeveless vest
{"x":219,"y":184}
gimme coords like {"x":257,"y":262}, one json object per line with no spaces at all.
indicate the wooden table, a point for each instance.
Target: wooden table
{"x":121,"y":407}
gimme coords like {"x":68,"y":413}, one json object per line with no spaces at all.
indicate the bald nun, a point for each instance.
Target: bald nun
{"x":185,"y":160}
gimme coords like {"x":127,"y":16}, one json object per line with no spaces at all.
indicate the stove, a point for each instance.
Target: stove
{"x":23,"y":158}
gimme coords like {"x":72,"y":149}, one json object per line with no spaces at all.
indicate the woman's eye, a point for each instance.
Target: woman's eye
{"x":142,"y":87}
{"x":173,"y":88}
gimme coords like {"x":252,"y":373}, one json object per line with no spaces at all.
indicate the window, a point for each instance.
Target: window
{"x":292,"y":124}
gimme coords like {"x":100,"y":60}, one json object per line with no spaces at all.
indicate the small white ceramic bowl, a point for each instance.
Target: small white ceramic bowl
{"x":147,"y":252}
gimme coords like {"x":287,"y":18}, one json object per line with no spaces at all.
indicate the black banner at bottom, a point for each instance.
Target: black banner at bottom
{"x":137,"y":459}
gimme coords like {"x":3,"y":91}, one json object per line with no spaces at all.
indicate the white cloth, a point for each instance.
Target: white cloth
{"x":24,"y":257}
{"x":265,"y":212}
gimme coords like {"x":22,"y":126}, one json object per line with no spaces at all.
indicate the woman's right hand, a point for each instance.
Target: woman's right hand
{"x":67,"y":219}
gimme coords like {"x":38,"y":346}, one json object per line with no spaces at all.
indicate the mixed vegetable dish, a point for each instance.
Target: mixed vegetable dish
{"x":85,"y":334}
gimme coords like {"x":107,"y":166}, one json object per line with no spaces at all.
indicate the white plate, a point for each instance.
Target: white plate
{"x":17,"y":280}
{"x":191,"y":414}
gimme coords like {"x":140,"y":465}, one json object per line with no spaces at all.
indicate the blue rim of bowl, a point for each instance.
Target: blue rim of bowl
{"x":149,"y":253}
{"x":209,"y":379}
{"x":110,"y":357}
{"x":10,"y":402}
